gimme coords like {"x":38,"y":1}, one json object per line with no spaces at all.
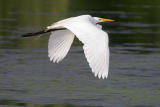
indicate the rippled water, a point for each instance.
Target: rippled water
{"x":28,"y":78}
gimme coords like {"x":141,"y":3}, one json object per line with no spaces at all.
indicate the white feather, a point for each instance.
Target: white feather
{"x":59,"y":44}
{"x":95,"y":42}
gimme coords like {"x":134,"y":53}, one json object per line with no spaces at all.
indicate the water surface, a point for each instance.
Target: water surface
{"x":28,"y":78}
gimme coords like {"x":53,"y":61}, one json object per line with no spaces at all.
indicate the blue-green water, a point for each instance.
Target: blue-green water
{"x":29,"y":79}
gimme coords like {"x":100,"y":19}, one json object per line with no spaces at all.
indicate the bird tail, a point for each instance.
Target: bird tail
{"x":41,"y":32}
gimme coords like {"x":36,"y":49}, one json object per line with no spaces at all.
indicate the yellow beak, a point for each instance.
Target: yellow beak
{"x":106,"y":20}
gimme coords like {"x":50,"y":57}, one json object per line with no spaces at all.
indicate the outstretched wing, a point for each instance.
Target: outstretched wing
{"x":97,"y":54}
{"x":59,"y":44}
{"x":95,"y":47}
{"x":95,"y":42}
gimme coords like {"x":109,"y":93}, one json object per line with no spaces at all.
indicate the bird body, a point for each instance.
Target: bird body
{"x":90,"y":33}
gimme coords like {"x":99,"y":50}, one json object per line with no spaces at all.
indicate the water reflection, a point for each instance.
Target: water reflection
{"x":16,"y":103}
{"x":28,"y":78}
{"x":19,"y":104}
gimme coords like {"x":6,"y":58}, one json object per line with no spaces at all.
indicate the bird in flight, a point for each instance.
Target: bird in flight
{"x":88,"y":30}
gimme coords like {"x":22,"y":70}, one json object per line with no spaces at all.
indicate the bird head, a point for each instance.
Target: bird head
{"x":98,"y":20}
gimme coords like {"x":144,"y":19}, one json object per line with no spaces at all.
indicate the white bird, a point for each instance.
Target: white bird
{"x":88,"y":30}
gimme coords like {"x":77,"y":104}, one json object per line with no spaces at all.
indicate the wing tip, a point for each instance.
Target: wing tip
{"x":54,"y":60}
{"x":101,"y":76}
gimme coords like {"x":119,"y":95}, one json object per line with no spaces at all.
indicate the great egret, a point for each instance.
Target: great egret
{"x":88,"y":30}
